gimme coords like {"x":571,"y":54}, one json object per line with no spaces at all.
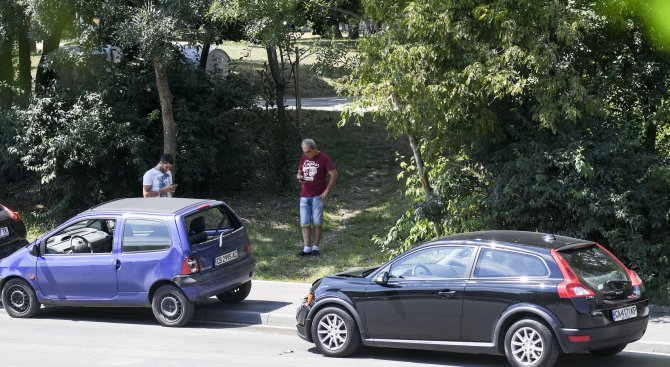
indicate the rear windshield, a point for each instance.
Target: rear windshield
{"x":594,"y":266}
{"x":205,"y":224}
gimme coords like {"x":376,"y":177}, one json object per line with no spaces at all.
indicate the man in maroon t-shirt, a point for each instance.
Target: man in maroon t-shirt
{"x":312,"y":171}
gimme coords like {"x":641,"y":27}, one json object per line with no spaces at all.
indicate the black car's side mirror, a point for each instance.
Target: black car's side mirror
{"x":383,"y":278}
{"x":35,"y":250}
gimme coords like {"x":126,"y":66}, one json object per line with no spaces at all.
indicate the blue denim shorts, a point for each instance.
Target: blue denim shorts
{"x":311,"y":211}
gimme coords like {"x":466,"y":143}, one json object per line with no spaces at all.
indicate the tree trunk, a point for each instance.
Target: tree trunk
{"x":49,"y":45}
{"x":6,"y":72}
{"x":204,"y":55}
{"x":423,"y":175}
{"x":336,"y":31}
{"x":278,"y":79}
{"x":25,"y":78}
{"x":298,"y":92}
{"x":354,"y":31}
{"x":165,"y":96}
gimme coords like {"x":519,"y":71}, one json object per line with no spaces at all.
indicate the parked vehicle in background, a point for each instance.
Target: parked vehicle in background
{"x":12,"y":231}
{"x":528,"y":296}
{"x":164,"y":254}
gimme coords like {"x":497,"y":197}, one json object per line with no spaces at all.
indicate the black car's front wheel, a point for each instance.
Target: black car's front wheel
{"x":609,"y":351}
{"x":19,"y":299}
{"x":529,"y":343}
{"x":236,"y":295}
{"x":335,"y":332}
{"x":171,"y":307}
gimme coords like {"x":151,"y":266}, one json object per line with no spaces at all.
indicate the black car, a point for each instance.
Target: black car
{"x":12,"y":232}
{"x":528,"y":296}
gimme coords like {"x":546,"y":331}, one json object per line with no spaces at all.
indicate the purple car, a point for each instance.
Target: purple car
{"x":167,"y":254}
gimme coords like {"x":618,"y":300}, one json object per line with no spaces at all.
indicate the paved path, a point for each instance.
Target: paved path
{"x":316,"y":103}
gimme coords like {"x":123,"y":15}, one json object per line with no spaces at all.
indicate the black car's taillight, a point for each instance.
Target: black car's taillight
{"x":189,"y":266}
{"x":571,"y":287}
{"x":13,"y":214}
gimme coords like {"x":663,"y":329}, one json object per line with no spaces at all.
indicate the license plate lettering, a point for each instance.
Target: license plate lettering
{"x":625,"y":313}
{"x":225,"y":258}
{"x":4,"y":232}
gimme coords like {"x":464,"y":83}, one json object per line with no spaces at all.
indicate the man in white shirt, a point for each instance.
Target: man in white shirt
{"x":157,"y":182}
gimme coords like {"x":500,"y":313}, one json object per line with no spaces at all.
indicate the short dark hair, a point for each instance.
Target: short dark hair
{"x":167,"y":158}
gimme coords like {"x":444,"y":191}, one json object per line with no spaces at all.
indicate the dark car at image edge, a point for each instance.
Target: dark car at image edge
{"x":12,"y":231}
{"x":526,"y":295}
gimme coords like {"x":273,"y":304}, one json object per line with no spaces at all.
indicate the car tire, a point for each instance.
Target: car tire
{"x":236,"y":295}
{"x":171,"y":307}
{"x":335,"y":333}
{"x":529,"y":343}
{"x":19,"y":299}
{"x":607,"y":352}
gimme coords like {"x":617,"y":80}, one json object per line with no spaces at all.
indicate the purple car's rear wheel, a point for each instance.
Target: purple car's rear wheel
{"x":171,"y":307}
{"x":19,"y":299}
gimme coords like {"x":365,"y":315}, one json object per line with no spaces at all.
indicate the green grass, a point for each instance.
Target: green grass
{"x":366,"y":202}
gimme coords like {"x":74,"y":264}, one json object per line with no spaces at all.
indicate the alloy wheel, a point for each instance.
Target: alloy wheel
{"x":332,"y":332}
{"x":527,"y":346}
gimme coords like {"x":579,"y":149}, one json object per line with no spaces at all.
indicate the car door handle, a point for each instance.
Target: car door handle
{"x":447,"y":294}
{"x":118,"y":264}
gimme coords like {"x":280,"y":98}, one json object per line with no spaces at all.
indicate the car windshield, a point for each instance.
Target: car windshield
{"x":594,"y":266}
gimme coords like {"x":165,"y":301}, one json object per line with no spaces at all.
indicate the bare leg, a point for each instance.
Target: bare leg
{"x":317,"y":235}
{"x":306,"y":234}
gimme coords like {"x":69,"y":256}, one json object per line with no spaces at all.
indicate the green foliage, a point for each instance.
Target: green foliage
{"x":544,"y":116}
{"x":74,"y":145}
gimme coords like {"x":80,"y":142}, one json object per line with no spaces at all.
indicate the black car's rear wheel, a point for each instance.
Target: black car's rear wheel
{"x":19,"y":299}
{"x":335,"y":333}
{"x":171,"y":307}
{"x":609,"y":351}
{"x":236,"y":295}
{"x":529,"y":343}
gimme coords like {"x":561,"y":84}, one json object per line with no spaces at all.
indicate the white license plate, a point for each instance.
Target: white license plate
{"x":225,"y":258}
{"x":4,"y":232}
{"x":625,"y":313}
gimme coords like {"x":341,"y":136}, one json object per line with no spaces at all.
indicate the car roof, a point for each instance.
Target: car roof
{"x":523,"y":238}
{"x":150,"y":205}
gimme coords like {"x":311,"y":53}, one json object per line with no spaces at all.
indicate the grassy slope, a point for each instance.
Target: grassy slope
{"x":365,"y":202}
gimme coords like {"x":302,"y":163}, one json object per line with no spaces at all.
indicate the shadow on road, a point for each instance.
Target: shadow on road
{"x":212,"y":314}
{"x":624,"y":359}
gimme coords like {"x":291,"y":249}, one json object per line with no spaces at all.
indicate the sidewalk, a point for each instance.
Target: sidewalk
{"x":275,"y":304}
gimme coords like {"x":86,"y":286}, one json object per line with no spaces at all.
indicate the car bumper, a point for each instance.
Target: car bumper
{"x":301,"y":319}
{"x":603,"y":337}
{"x":199,"y":287}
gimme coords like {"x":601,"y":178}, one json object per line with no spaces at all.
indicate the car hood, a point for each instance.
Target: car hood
{"x":357,"y":272}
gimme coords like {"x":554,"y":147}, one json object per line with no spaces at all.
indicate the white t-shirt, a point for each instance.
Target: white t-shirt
{"x":158,"y":180}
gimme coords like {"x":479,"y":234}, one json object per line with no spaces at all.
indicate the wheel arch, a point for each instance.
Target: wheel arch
{"x":520,"y":312}
{"x":334,"y":301}
{"x":157,"y":285}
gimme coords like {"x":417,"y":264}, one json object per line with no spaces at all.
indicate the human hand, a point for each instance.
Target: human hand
{"x":323,"y":196}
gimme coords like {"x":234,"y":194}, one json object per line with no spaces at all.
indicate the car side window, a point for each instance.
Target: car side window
{"x":90,"y":236}
{"x":443,"y":262}
{"x":140,"y":235}
{"x":494,"y":263}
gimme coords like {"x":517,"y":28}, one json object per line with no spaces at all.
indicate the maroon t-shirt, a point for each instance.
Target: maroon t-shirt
{"x":314,"y":171}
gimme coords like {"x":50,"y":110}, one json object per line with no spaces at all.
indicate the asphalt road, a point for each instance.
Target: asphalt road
{"x":121,"y":338}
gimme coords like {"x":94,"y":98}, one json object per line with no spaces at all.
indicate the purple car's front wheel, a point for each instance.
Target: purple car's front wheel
{"x":19,"y":299}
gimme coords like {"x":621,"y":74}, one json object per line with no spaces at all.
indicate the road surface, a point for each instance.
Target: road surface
{"x":121,"y":338}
